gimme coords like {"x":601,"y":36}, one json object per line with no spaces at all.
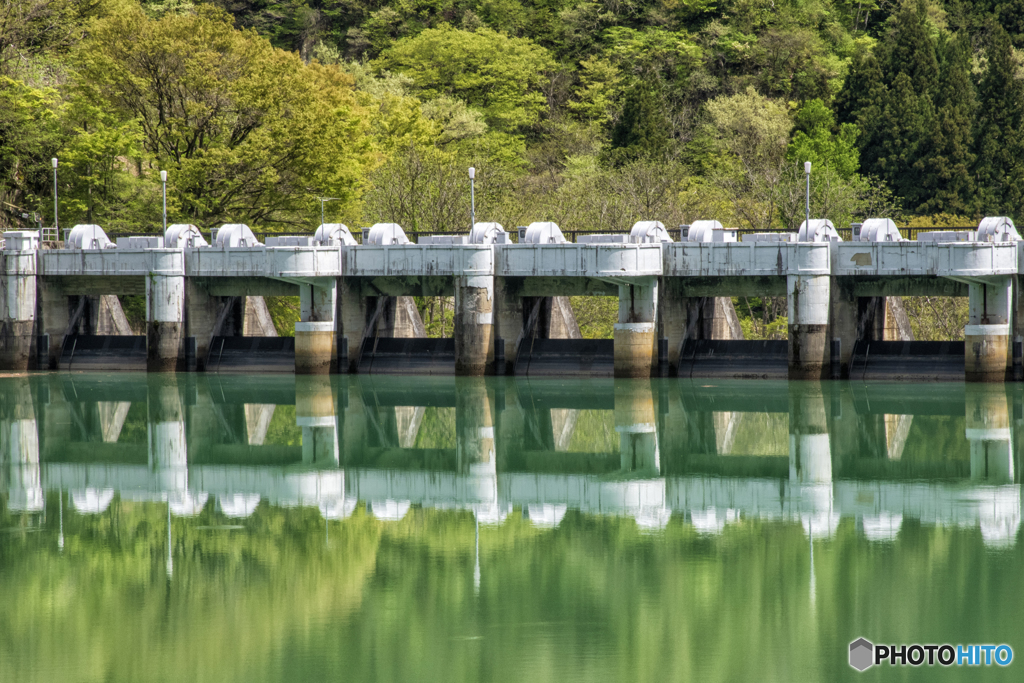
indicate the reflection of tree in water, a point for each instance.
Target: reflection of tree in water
{"x":591,"y":599}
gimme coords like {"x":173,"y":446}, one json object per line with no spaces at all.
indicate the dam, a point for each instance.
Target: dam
{"x":510,"y":290}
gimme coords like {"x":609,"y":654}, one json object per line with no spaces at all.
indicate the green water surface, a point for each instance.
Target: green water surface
{"x":217,"y":528}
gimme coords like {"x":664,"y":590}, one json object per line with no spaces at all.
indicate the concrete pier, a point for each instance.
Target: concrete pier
{"x":315,"y":347}
{"x":808,"y":308}
{"x":635,"y":338}
{"x":474,"y":325}
{"x":165,"y":312}
{"x":18,"y":301}
{"x":987,"y":334}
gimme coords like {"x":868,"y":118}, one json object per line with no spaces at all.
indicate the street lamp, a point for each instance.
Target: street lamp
{"x":163,"y":180}
{"x":807,"y":172}
{"x":472,"y":198}
{"x":322,"y":201}
{"x":54,"y":162}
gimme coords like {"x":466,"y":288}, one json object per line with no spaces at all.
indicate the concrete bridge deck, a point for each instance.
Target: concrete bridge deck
{"x":341,"y":284}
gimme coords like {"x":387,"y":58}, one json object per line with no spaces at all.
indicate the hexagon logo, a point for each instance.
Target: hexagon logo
{"x":862,"y":654}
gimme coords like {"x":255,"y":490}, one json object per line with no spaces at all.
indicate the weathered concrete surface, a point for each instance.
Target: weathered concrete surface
{"x":354,"y":312}
{"x":634,"y":333}
{"x":808,"y":308}
{"x":165,"y":325}
{"x":987,"y":335}
{"x":18,"y":287}
{"x":106,"y":316}
{"x":257,"y":322}
{"x":315,"y":340}
{"x":401,"y":319}
{"x":474,"y":325}
{"x":508,"y":317}
{"x":314,"y":347}
{"x":55,"y":316}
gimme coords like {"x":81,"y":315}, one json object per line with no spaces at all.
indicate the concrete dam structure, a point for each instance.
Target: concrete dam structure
{"x":512,"y":315}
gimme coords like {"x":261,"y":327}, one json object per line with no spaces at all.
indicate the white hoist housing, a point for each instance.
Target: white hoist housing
{"x":544,"y":232}
{"x":818,"y":230}
{"x":182,"y":235}
{"x":333,"y":234}
{"x":487,"y":233}
{"x":233,"y":235}
{"x":386,"y":234}
{"x":89,"y":237}
{"x":997,"y":229}
{"x":644,"y":232}
{"x":879,"y":230}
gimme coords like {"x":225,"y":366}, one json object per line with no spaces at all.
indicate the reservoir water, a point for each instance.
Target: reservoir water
{"x":280,"y":528}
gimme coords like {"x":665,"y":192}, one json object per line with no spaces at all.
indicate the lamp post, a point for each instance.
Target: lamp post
{"x":807,"y":210}
{"x":55,"y":224}
{"x":163,"y":180}
{"x":322,"y":201}
{"x":472,"y":198}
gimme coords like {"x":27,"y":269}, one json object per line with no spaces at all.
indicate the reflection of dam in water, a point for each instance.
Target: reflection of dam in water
{"x":800,"y":452}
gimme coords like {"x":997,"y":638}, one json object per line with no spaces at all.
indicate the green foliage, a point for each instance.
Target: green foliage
{"x":642,"y":129}
{"x":499,"y":75}
{"x":946,"y":158}
{"x":285,"y":312}
{"x":817,"y":140}
{"x":936,"y":318}
{"x":30,"y":132}
{"x":998,"y":138}
{"x":248,"y":132}
{"x":595,"y":315}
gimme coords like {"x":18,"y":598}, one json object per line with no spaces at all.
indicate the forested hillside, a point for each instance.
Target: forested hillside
{"x":591,"y":114}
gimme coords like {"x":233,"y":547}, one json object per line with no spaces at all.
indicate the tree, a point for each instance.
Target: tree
{"x":642,"y":130}
{"x":819,"y":141}
{"x":751,"y":133}
{"x":909,"y":49}
{"x":998,"y":143}
{"x":249,"y":132}
{"x":30,"y":133}
{"x":907,"y":116}
{"x":946,"y":158}
{"x":502,"y":77}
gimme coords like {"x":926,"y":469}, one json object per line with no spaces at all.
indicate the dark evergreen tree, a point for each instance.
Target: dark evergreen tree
{"x":642,"y":130}
{"x":905,"y":118}
{"x":998,"y":143}
{"x":908,"y":48}
{"x":862,"y":101}
{"x":946,"y":158}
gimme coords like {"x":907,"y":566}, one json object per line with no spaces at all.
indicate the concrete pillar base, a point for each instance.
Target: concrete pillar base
{"x":634,"y":349}
{"x":163,"y":343}
{"x":18,"y":292}
{"x":17,"y":345}
{"x":808,"y":351}
{"x":474,"y":325}
{"x":314,"y":348}
{"x":807,"y":303}
{"x":165,"y":324}
{"x":986,"y":349}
